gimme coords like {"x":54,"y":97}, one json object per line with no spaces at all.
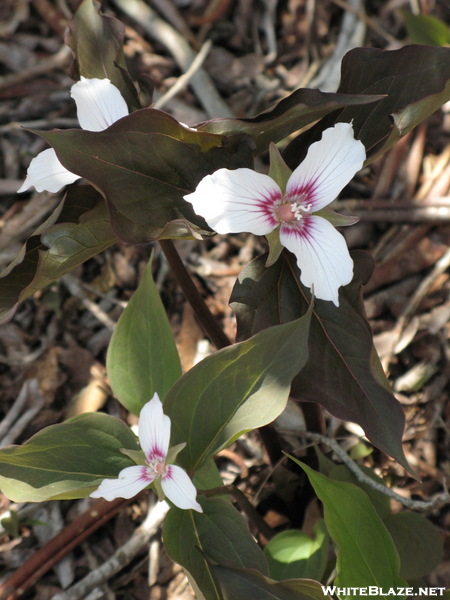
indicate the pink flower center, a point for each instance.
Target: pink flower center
{"x":293,"y":209}
{"x":157,"y":465}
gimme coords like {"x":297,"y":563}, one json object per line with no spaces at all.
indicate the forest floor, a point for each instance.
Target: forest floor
{"x":261,"y":51}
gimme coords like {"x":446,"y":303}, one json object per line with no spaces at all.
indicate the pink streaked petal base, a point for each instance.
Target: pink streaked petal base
{"x":129,"y":483}
{"x":237,"y":201}
{"x":322,"y":255}
{"x":179,"y":489}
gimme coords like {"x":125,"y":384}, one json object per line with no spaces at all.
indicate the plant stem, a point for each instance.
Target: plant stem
{"x":244,"y":504}
{"x":202,"y":312}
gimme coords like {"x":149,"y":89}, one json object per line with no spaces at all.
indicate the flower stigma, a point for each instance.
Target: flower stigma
{"x":158,"y":465}
{"x":292,"y":210}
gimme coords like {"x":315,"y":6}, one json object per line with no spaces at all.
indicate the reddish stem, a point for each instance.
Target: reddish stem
{"x":202,"y":312}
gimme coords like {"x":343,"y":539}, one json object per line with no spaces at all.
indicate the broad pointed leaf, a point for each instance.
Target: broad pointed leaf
{"x":415,"y":80}
{"x":366,"y":554}
{"x":234,"y":390}
{"x":248,"y":584}
{"x":65,"y":461}
{"x":144,"y":164}
{"x":425,"y":29}
{"x":142,"y":356}
{"x":418,"y":543}
{"x":96,"y":41}
{"x":78,"y":229}
{"x":299,"y":109}
{"x":343,"y":372}
{"x":380,"y":501}
{"x":219,"y":533}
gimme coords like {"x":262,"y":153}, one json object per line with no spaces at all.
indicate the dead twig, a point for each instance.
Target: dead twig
{"x":60,"y":59}
{"x":368,"y":21}
{"x":184,"y":79}
{"x":181,"y":51}
{"x":379,"y":209}
{"x":75,"y":289}
{"x":419,"y":505}
{"x":17,"y":406}
{"x":122,"y":557}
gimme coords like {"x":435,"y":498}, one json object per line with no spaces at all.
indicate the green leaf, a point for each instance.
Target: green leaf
{"x":294,"y":555}
{"x":208,"y":477}
{"x":366,"y":554}
{"x":220,"y":533}
{"x":144,"y":165}
{"x":425,"y":29}
{"x":415,"y":80}
{"x":248,"y":584}
{"x":78,"y":229}
{"x":66,"y":461}
{"x":380,"y":501}
{"x":325,"y":464}
{"x":234,"y":390}
{"x":299,"y":109}
{"x":96,"y":41}
{"x":142,"y":356}
{"x":343,"y":372}
{"x":418,"y":543}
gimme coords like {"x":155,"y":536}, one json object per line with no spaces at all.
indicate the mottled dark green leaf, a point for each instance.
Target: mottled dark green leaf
{"x":96,"y":41}
{"x":366,"y":554}
{"x":142,"y":355}
{"x":248,"y":584}
{"x":418,"y":543}
{"x":236,"y":389}
{"x":144,"y":164}
{"x":219,"y":534}
{"x":68,"y":460}
{"x":299,"y":109}
{"x":343,"y":372}
{"x":415,"y":80}
{"x":77,"y":230}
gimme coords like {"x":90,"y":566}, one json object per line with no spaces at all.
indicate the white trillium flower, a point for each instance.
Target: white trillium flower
{"x":99,"y":105}
{"x":154,"y":437}
{"x":245,"y":201}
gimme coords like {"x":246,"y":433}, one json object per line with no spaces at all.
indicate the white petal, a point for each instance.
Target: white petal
{"x":47,"y":173}
{"x":329,"y":165}
{"x":99,"y":103}
{"x":179,"y":488}
{"x":129,"y":483}
{"x":322,"y":255}
{"x":154,"y":429}
{"x":237,"y":201}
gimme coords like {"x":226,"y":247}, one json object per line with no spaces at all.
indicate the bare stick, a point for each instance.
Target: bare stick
{"x":58,"y":60}
{"x":181,"y":51}
{"x":17,"y":407}
{"x":121,"y":558}
{"x":184,"y":79}
{"x":75,"y":289}
{"x":420,"y":505}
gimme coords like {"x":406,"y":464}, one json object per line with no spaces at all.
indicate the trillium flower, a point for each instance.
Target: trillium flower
{"x":99,"y":105}
{"x":291,"y":212}
{"x":154,"y":437}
